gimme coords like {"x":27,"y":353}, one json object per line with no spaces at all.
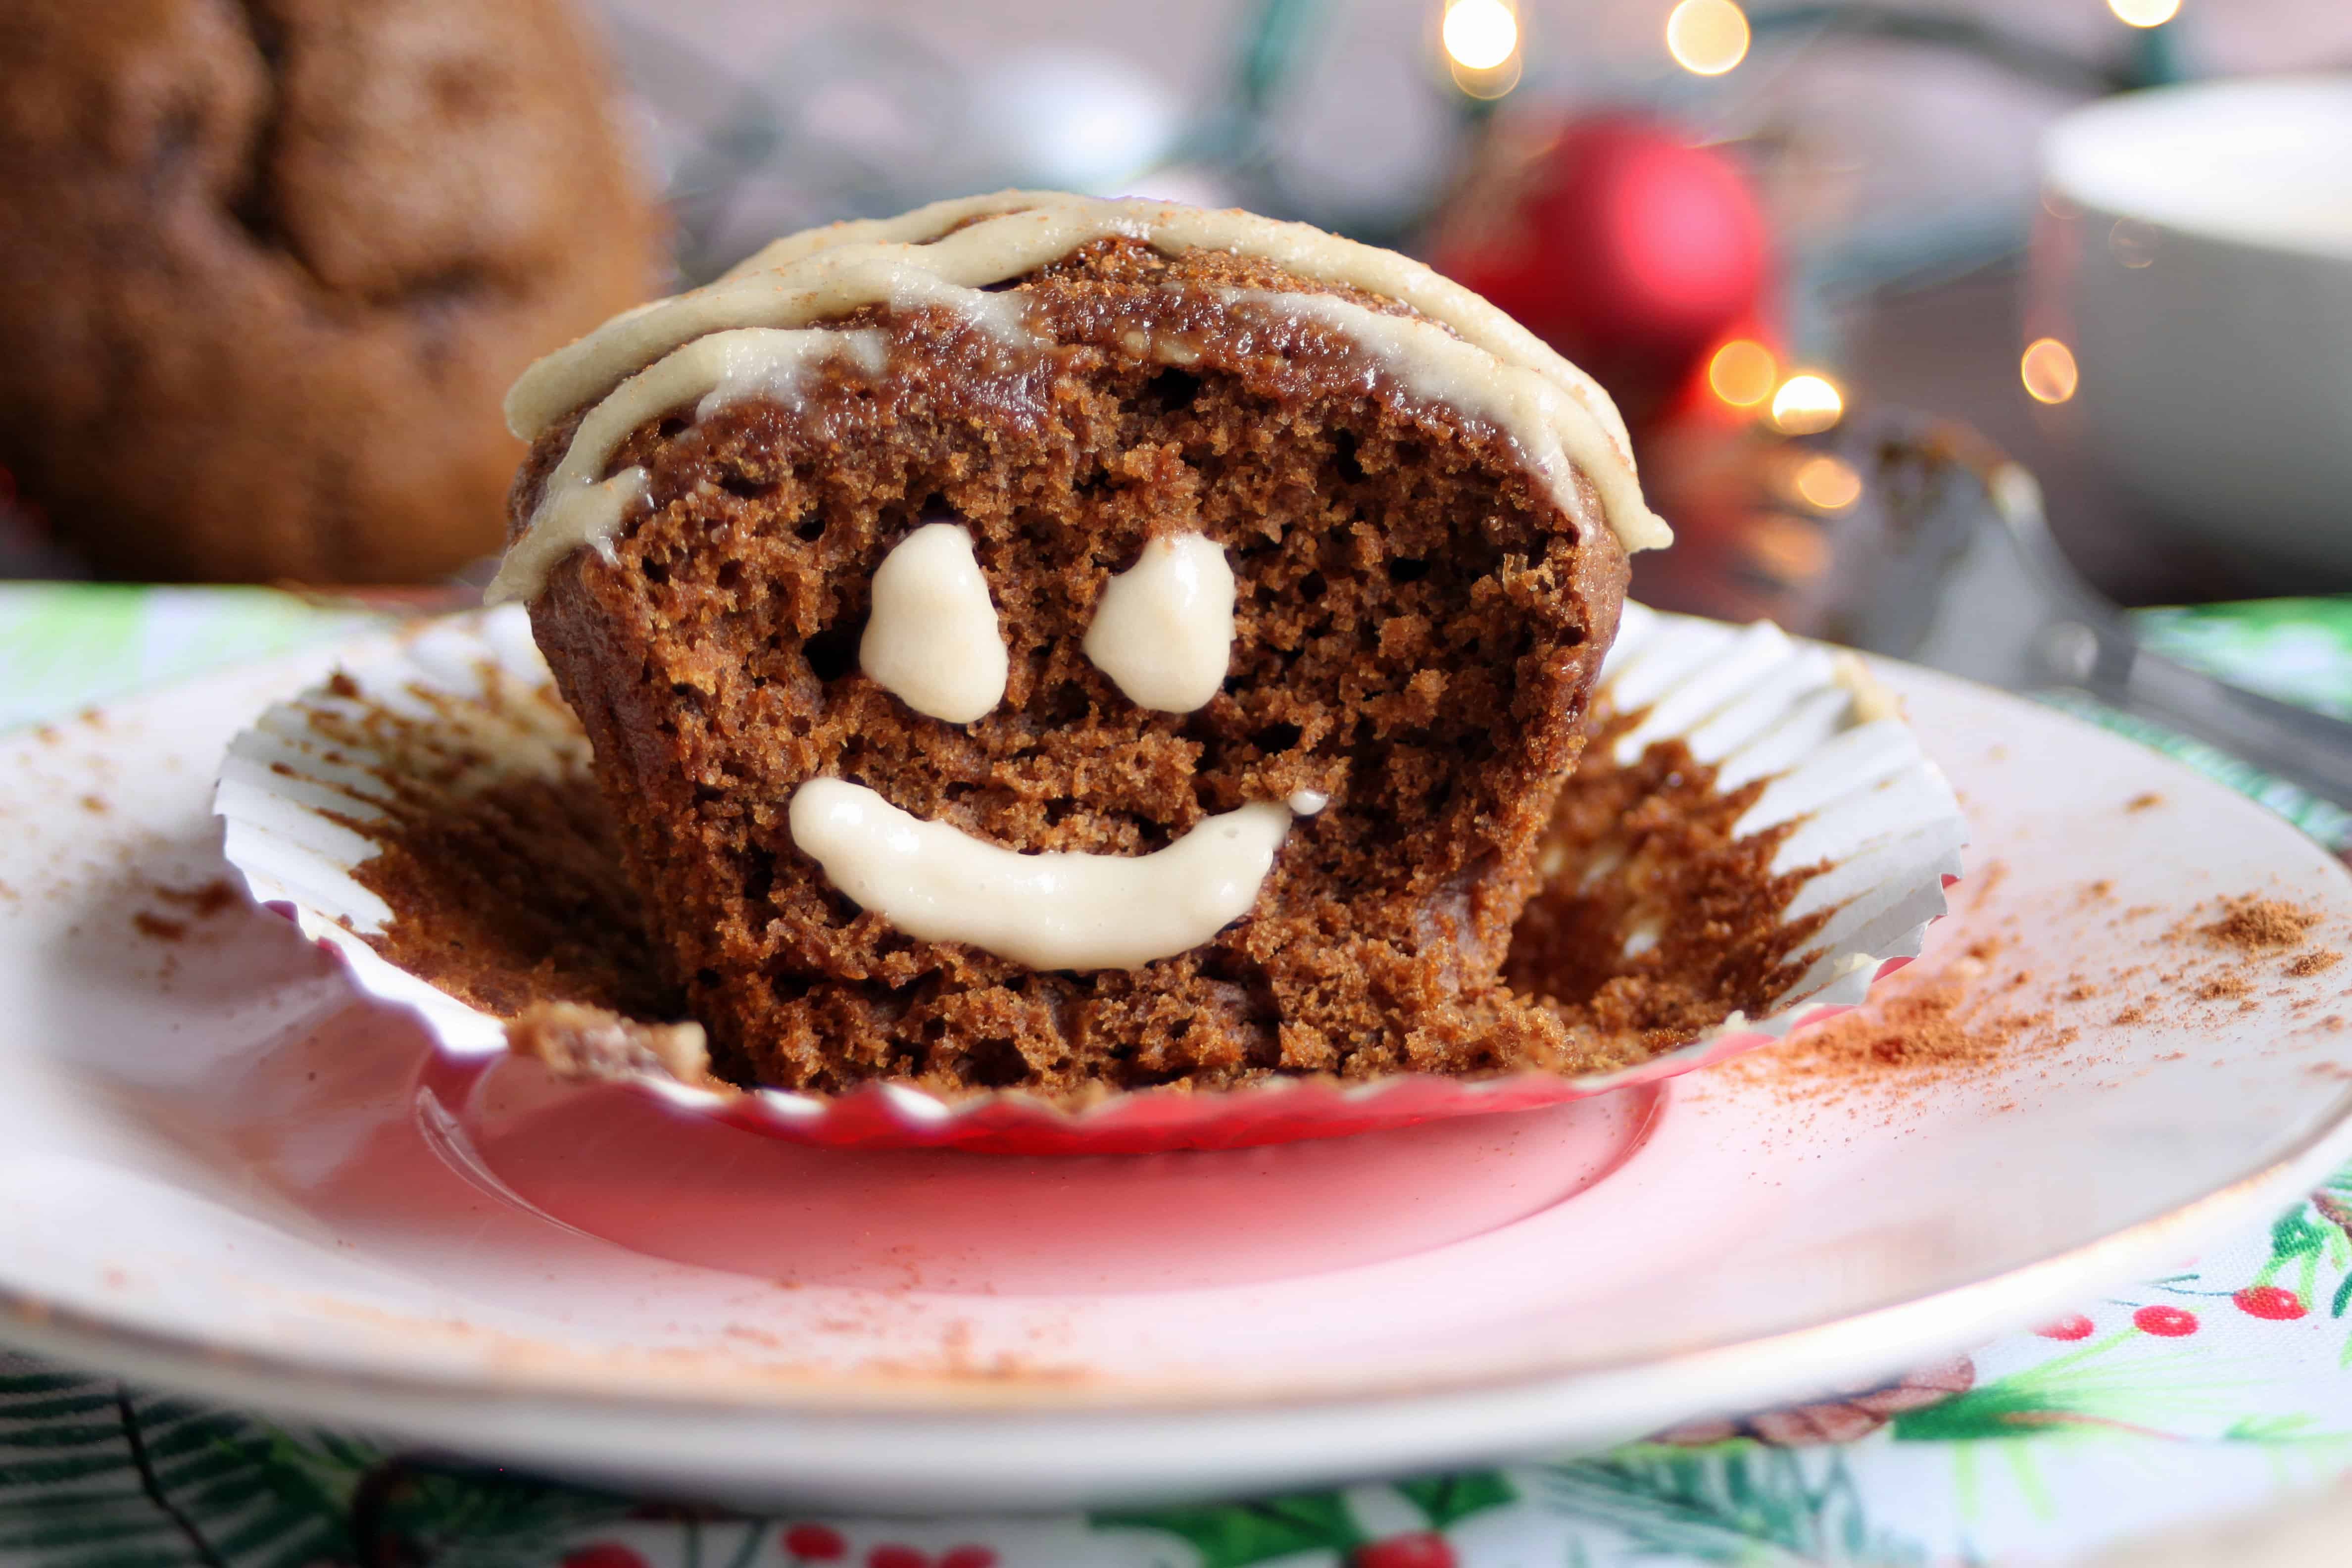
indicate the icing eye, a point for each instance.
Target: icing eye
{"x":932,"y":640}
{"x":1163,"y":629}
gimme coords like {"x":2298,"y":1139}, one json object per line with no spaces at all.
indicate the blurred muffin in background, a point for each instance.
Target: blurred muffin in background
{"x":267,"y":266}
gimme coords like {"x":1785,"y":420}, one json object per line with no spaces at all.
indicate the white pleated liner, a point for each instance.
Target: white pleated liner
{"x":284,"y":784}
{"x":1867,"y":804}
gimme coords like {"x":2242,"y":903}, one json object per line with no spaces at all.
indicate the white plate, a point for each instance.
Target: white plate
{"x":219,"y":1171}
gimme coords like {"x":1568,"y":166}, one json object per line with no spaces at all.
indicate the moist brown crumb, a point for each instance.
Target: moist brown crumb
{"x":595,"y":1043}
{"x":2216,"y":987}
{"x":2316,"y":962}
{"x":506,"y":892}
{"x":513,"y":897}
{"x":1648,"y":848}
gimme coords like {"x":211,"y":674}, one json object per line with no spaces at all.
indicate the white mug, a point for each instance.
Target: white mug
{"x":2197,"y":262}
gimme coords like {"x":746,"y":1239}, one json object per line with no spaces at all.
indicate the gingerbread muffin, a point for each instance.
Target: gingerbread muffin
{"x":1055,"y":643}
{"x":266,"y":265}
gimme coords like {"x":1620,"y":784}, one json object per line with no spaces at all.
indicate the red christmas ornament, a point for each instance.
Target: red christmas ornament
{"x":1614,"y":238}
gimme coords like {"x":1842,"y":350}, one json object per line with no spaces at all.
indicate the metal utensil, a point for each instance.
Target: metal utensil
{"x":1964,"y":576}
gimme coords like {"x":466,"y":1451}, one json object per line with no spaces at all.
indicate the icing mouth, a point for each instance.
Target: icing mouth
{"x":1057,"y":909}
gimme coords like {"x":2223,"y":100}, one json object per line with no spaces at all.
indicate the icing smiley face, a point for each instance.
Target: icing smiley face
{"x":1162,"y":632}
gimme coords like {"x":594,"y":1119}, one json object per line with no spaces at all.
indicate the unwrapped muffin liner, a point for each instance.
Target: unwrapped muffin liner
{"x":1842,"y":771}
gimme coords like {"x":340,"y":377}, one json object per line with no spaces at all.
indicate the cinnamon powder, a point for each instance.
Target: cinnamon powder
{"x":2251,"y":922}
{"x":1922,"y":1031}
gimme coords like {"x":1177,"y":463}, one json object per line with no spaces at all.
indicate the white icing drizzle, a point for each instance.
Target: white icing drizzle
{"x":1307,"y":802}
{"x":754,"y":372}
{"x":923,"y":259}
{"x":1431,"y":362}
{"x":932,"y":640}
{"x":1163,"y":629}
{"x":577,"y":508}
{"x":1057,"y":911}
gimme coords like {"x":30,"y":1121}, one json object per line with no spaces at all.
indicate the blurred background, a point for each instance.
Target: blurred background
{"x":1802,"y":243}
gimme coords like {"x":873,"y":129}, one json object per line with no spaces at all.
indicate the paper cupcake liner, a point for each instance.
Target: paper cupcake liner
{"x":1842,"y":775}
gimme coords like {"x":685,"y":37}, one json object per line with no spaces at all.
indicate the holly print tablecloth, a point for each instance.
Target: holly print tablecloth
{"x":2204,"y":1392}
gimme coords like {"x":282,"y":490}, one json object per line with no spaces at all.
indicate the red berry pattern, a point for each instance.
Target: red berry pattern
{"x":2074,"y":1326}
{"x":815,"y":1544}
{"x":2272,"y":1301}
{"x":604,"y":1554}
{"x":1422,"y":1549}
{"x":893,"y":1555}
{"x":2164,"y":1322}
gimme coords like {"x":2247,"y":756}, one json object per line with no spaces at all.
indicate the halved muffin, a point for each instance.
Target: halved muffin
{"x":1051,"y":642}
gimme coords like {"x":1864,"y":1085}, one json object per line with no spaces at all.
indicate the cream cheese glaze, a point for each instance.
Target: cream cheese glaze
{"x":1163,"y":628}
{"x":1054,"y":910}
{"x":1467,"y":354}
{"x":932,"y":640}
{"x":578,"y":508}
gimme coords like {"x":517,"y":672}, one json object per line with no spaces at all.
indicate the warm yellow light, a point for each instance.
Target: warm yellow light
{"x":1807,"y":403}
{"x":2145,"y":12}
{"x":2048,"y":368}
{"x":1480,"y":35}
{"x":1827,"y":483}
{"x":1708,"y":38}
{"x":1742,"y":373}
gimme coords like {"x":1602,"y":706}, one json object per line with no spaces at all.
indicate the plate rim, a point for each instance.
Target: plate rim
{"x":426,"y":1399}
{"x":1360,"y":1431}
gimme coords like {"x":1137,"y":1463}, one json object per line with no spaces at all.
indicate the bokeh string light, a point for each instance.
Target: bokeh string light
{"x":1807,"y":403}
{"x":1708,"y":38}
{"x":1827,"y":484}
{"x":1483,"y":48}
{"x":2145,"y":12}
{"x":1743,"y":373}
{"x":1480,"y":35}
{"x":2048,"y":370}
